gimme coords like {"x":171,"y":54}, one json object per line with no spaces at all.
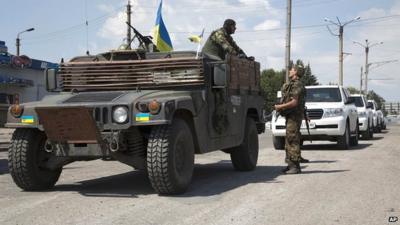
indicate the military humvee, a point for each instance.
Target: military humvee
{"x":152,"y":111}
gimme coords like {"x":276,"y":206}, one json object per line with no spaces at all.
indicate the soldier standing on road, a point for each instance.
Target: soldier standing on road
{"x":293,"y":95}
{"x":221,"y":42}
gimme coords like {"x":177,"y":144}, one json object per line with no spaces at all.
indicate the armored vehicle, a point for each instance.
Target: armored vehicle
{"x":152,"y":111}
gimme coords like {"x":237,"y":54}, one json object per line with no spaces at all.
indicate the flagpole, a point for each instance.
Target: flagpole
{"x":198,"y":47}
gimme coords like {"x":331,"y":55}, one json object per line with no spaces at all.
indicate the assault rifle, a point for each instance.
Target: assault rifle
{"x":145,"y":42}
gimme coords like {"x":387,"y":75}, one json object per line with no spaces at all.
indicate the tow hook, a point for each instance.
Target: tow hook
{"x":114,"y":143}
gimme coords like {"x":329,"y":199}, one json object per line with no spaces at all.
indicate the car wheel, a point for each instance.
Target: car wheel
{"x":365,"y":135}
{"x":344,"y":140}
{"x":278,"y":142}
{"x":244,"y":157}
{"x":27,"y":158}
{"x":354,"y":139}
{"x":170,"y":157}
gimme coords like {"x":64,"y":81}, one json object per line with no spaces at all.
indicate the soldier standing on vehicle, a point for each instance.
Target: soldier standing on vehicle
{"x":293,"y":95}
{"x":221,"y":42}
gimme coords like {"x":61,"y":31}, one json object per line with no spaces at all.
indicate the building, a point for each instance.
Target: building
{"x":392,"y":108}
{"x":20,"y":78}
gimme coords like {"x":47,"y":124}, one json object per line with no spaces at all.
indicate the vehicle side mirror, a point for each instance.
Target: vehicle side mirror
{"x":50,"y":79}
{"x":369,"y":105}
{"x":219,"y":80}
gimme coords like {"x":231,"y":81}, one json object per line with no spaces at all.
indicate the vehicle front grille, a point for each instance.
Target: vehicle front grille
{"x":94,"y":97}
{"x":102,"y":115}
{"x":315,"y":114}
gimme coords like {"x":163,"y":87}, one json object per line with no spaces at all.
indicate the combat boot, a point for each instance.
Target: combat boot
{"x":294,"y":168}
{"x":285,"y":169}
{"x":303,"y":160}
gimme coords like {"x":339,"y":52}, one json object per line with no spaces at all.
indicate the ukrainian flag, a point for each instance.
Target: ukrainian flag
{"x":160,"y":33}
{"x":196,"y":38}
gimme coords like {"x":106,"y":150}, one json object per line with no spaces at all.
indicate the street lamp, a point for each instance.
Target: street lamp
{"x":340,"y":35}
{"x":367,"y":46}
{"x":18,"y":43}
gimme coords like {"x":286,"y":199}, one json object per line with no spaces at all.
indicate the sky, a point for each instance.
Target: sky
{"x":61,"y":31}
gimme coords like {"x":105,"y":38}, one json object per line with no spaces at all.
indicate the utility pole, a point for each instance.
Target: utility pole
{"x":128,"y":33}
{"x":18,"y":40}
{"x":340,"y":35}
{"x":367,"y":46}
{"x":288,"y":37}
{"x":361,"y":80}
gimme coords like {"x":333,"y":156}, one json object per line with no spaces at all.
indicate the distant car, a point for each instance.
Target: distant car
{"x":333,"y":117}
{"x":378,"y":116}
{"x":365,"y":116}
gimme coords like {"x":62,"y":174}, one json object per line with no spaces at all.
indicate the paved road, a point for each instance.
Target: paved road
{"x":358,"y":186}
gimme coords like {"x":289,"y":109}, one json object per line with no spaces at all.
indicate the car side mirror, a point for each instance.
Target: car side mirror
{"x":219,"y":80}
{"x":369,"y":105}
{"x":50,"y":79}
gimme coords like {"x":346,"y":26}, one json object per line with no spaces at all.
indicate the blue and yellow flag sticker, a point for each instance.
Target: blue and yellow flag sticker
{"x":27,"y":119}
{"x":142,"y":117}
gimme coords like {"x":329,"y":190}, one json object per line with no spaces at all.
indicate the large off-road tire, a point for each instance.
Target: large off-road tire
{"x":344,"y":140}
{"x":279,"y":142}
{"x":354,"y":139}
{"x":170,"y":157}
{"x":244,"y":157}
{"x":26,"y":157}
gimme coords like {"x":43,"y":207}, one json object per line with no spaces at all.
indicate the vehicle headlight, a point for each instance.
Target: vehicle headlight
{"x":333,"y":112}
{"x":362,"y":114}
{"x":120,"y":114}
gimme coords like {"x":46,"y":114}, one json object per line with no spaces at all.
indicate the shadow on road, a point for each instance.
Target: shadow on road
{"x":321,"y":161}
{"x":323,"y":171}
{"x":208,"y":179}
{"x":376,"y":138}
{"x":216,"y":178}
{"x":128,"y":184}
{"x":332,"y":147}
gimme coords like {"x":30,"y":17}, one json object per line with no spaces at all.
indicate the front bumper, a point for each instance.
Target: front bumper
{"x":334,"y":126}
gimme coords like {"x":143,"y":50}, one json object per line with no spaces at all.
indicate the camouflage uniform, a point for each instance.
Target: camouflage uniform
{"x":220,"y":43}
{"x":295,"y":88}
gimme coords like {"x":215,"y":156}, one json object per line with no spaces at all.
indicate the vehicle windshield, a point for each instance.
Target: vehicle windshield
{"x":358,"y":101}
{"x":323,"y":95}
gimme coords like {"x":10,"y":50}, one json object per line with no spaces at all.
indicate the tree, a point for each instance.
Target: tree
{"x":271,"y":83}
{"x":353,"y":90}
{"x":308,"y":78}
{"x":380,"y":101}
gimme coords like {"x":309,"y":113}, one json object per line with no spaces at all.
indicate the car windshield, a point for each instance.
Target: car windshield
{"x":358,"y":101}
{"x":323,"y":95}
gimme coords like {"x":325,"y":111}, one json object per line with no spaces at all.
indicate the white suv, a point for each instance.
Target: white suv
{"x":365,"y":116}
{"x":378,"y":116}
{"x":333,"y":116}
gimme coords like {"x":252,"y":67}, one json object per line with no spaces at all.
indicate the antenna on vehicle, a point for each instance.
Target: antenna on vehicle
{"x":87,"y":29}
